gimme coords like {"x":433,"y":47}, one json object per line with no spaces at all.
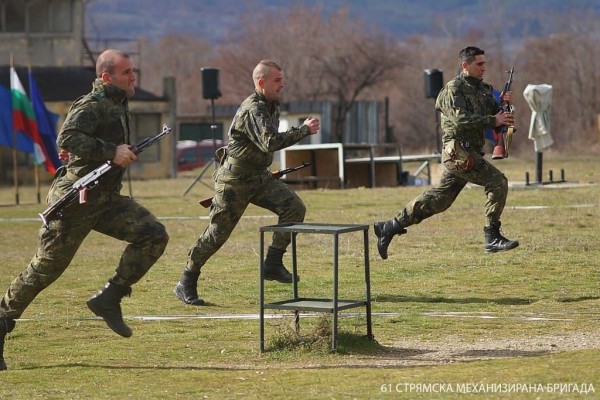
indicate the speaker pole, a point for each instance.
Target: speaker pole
{"x":210,"y":90}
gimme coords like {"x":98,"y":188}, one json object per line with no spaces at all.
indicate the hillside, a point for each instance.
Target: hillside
{"x":212,"y":19}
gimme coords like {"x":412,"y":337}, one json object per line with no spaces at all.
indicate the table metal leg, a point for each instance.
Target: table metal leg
{"x":335,"y":292}
{"x":261,"y":286}
{"x":368,"y":284}
{"x":294,"y":275}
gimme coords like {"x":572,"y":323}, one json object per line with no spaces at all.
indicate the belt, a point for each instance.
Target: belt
{"x":241,"y":167}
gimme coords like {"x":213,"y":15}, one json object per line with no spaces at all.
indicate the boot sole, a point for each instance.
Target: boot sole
{"x":501,"y":250}
{"x":99,"y":312}
{"x":279,"y":279}
{"x":197,"y":302}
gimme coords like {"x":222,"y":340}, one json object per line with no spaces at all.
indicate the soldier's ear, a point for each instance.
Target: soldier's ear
{"x":106,"y":77}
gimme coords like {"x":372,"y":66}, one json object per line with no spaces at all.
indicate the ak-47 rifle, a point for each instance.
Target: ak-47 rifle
{"x":505,"y":132}
{"x":80,"y":188}
{"x":278,"y":174}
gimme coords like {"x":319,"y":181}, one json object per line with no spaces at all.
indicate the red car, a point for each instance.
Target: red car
{"x":192,"y":154}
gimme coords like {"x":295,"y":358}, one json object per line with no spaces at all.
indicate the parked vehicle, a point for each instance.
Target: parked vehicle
{"x":192,"y":154}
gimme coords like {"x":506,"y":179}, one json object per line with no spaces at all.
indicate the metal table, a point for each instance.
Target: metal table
{"x":331,"y":305}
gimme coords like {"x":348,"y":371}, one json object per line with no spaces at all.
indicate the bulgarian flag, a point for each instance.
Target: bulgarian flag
{"x":24,"y":120}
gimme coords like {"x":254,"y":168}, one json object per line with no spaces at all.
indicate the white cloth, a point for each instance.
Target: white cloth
{"x":539,"y":98}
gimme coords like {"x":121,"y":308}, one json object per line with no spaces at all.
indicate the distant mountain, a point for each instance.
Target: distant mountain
{"x":211,"y":19}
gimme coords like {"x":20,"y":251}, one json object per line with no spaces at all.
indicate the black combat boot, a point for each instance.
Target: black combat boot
{"x":6,"y":326}
{"x":106,"y":304}
{"x":385,"y":231}
{"x":274,"y":268}
{"x":187,"y":288}
{"x":495,"y":242}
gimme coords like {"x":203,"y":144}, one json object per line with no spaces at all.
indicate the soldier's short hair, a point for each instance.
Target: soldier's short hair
{"x":263,"y":68}
{"x":107,"y":60}
{"x":468,"y":54}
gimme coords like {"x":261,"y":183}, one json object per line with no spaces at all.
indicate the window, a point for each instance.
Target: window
{"x":36,"y":16}
{"x":13,"y":16}
{"x":60,"y":14}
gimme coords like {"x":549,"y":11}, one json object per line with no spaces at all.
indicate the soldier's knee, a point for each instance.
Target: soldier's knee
{"x":300,"y":210}
{"x":504,"y":182}
{"x":159,"y":237}
{"x":500,"y":184}
{"x":162,"y":235}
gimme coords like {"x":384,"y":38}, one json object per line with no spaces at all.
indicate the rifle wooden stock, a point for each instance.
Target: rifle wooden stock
{"x":277,"y":175}
{"x":500,"y":148}
{"x":505,"y":132}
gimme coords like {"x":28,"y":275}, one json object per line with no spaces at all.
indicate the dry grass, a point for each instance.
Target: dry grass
{"x":444,"y":311}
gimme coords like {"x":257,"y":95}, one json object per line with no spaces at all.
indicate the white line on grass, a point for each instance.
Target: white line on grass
{"x":560,"y":317}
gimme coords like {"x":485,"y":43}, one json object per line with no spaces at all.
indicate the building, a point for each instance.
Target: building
{"x":48,"y":36}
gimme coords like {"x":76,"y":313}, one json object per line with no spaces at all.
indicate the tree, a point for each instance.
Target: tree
{"x":181,"y":57}
{"x":325,"y":59}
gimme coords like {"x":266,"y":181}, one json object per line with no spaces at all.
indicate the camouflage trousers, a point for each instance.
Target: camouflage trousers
{"x":452,"y":181}
{"x":109,"y":213}
{"x":233,"y":193}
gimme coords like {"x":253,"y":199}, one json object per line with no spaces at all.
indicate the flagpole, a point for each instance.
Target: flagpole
{"x":36,"y":168}
{"x":15,"y":173}
{"x":15,"y":166}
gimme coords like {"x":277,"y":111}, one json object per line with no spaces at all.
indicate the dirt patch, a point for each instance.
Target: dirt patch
{"x":412,"y":353}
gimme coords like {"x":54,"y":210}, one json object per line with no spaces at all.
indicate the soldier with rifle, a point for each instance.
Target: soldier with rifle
{"x":243,"y":178}
{"x":467,"y":107}
{"x":96,"y":137}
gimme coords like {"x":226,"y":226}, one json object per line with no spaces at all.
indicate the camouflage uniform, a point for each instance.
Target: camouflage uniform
{"x":244,"y":178}
{"x":95,"y":125}
{"x":467,"y":107}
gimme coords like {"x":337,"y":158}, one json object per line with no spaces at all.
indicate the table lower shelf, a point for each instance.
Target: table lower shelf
{"x":309,"y":304}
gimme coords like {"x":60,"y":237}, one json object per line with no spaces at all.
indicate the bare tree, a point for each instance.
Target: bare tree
{"x":181,"y":57}
{"x":569,"y":62}
{"x":335,"y":59}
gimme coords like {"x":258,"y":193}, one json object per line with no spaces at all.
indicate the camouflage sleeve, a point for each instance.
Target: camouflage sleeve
{"x":78,"y":133}
{"x":263,"y":130}
{"x":457,"y":109}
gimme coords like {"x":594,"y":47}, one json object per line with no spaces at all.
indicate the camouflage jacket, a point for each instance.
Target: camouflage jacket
{"x":467,"y":106}
{"x":95,"y":125}
{"x":254,"y":133}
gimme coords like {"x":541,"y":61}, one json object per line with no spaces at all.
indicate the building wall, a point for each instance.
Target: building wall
{"x":50,"y":33}
{"x":37,"y":42}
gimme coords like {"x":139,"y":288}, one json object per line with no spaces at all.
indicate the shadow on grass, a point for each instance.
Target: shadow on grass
{"x":139,"y":367}
{"x":575,"y":299}
{"x":365,"y":352}
{"x":513,"y":301}
{"x":500,"y":353}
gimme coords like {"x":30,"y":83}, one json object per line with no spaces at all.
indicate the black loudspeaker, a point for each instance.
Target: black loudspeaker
{"x":434,"y":82}
{"x":210,"y":83}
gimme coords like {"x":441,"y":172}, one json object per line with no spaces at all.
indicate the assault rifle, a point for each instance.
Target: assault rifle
{"x":278,"y":174}
{"x":505,"y":132}
{"x":78,"y":191}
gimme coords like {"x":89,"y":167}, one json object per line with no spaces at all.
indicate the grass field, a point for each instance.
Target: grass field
{"x":448,"y":319}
